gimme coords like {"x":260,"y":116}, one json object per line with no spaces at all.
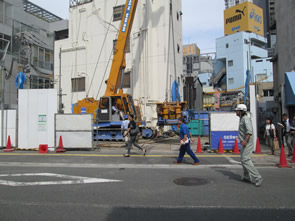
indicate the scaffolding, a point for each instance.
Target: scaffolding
{"x":74,"y":3}
{"x":40,"y":12}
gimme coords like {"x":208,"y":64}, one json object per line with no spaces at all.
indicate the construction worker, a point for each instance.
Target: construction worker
{"x":185,"y":138}
{"x":247,"y":146}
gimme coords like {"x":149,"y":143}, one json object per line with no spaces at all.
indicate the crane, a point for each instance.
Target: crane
{"x":110,"y":110}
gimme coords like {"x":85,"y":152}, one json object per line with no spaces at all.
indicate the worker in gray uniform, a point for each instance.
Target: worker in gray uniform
{"x":247,"y":146}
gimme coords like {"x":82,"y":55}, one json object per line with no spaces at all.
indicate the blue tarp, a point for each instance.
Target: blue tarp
{"x":20,"y":80}
{"x":290,"y":88}
{"x":175,"y":91}
{"x":248,"y":79}
{"x":175,"y":97}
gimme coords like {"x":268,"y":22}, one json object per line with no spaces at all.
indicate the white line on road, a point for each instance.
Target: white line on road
{"x":117,"y":166}
{"x":74,"y":179}
{"x":232,"y":161}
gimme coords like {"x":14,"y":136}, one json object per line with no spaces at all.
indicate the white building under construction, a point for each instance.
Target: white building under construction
{"x":153,"y":59}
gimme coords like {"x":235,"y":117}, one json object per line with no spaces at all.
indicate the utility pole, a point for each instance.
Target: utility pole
{"x":3,"y":91}
{"x":60,"y":111}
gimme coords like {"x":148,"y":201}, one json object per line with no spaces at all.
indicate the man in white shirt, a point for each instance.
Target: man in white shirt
{"x":124,"y":129}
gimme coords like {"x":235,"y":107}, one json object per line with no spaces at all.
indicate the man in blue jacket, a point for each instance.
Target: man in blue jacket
{"x":185,"y":137}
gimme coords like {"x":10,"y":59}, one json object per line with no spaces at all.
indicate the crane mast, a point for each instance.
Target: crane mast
{"x":119,"y":64}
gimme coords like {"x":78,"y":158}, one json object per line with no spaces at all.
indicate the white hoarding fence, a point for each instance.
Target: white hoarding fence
{"x":76,"y":130}
{"x":9,"y":126}
{"x":36,"y":117}
{"x":223,"y":125}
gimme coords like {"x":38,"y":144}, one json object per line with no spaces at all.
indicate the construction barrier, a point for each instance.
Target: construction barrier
{"x":76,"y":130}
{"x":223,"y":125}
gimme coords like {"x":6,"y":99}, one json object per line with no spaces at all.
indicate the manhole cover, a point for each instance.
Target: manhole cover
{"x":191,"y":181}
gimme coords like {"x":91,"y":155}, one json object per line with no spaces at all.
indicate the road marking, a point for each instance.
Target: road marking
{"x":120,"y":155}
{"x":129,"y":166}
{"x":74,"y":179}
{"x":232,"y":161}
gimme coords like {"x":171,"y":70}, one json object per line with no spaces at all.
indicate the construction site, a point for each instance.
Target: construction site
{"x":79,"y":82}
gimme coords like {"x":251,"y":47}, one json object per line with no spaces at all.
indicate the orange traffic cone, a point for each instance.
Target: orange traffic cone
{"x":236,"y":147}
{"x":199,"y":147}
{"x":220,"y":149}
{"x":258,"y":148}
{"x":283,"y":160}
{"x":293,"y":158}
{"x":60,"y":148}
{"x":8,"y":146}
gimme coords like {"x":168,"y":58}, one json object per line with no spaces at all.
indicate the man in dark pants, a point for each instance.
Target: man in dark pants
{"x":185,"y":136}
{"x":132,"y":141}
{"x":287,"y":133}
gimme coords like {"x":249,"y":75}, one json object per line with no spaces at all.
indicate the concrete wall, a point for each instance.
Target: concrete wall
{"x":147,"y":59}
{"x":285,"y":49}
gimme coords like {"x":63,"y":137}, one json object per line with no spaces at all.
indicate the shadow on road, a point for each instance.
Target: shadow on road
{"x":230,"y":175}
{"x":220,"y":214}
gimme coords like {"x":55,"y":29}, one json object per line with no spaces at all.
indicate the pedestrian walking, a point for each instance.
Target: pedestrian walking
{"x":270,"y":135}
{"x":286,"y":125}
{"x":245,"y":137}
{"x":133,"y":131}
{"x":124,"y":129}
{"x":185,"y":139}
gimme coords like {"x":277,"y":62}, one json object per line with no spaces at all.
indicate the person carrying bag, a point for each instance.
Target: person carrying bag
{"x":270,"y":135}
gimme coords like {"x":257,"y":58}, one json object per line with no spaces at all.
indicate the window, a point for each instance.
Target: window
{"x":78,"y":84}
{"x":230,"y":63}
{"x":231,"y":81}
{"x":40,"y":83}
{"x":177,"y":16}
{"x":127,"y":80}
{"x":33,"y":82}
{"x":118,"y":12}
{"x":226,"y":45}
{"x":4,"y":43}
{"x":267,"y":93}
{"x":178,"y":48}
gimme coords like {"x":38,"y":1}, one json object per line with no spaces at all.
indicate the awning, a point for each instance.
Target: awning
{"x":290,"y":88}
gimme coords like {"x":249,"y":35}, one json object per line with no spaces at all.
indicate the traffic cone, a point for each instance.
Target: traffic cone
{"x":199,"y":147}
{"x":60,"y":148}
{"x":236,"y":147}
{"x":8,"y":146}
{"x":283,"y":161}
{"x":220,"y":148}
{"x":293,"y":158}
{"x":43,"y":148}
{"x":258,"y":148}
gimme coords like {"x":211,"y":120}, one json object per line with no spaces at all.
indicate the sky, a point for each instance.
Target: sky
{"x":202,"y":20}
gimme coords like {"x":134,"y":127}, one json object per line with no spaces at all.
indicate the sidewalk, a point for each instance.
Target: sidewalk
{"x":158,"y":150}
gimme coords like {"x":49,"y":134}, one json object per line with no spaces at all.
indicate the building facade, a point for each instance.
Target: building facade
{"x":31,"y":31}
{"x":153,"y":59}
{"x":284,"y":57}
{"x":232,"y":3}
{"x":240,"y":52}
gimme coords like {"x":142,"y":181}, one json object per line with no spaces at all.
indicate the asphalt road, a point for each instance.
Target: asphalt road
{"x":47,"y":189}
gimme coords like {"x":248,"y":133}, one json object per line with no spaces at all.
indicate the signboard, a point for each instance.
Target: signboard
{"x":83,"y":110}
{"x":127,"y":15}
{"x":223,"y":125}
{"x":42,"y":122}
{"x":190,"y":50}
{"x":228,"y":139}
{"x":244,"y":17}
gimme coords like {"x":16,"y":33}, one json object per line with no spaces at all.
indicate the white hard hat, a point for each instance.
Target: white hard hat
{"x":241,"y":107}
